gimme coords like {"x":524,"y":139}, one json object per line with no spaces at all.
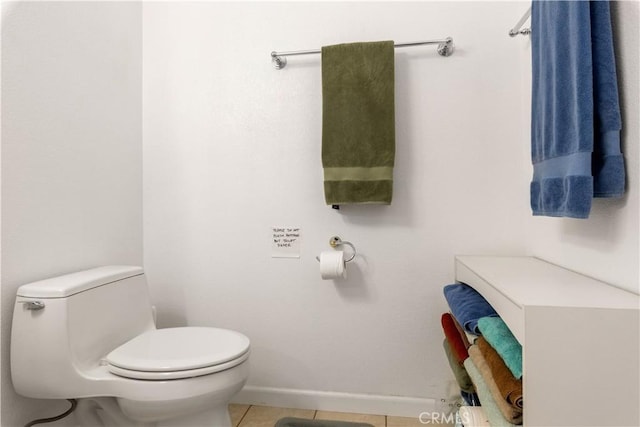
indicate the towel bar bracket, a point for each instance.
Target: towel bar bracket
{"x":446,"y":48}
{"x":279,"y":62}
{"x":524,"y":32}
{"x":517,"y":29}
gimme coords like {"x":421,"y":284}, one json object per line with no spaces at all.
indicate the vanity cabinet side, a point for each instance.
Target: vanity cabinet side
{"x":580,"y":339}
{"x":581,"y":366}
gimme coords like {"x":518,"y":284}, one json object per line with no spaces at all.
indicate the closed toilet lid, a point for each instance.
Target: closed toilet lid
{"x":171,"y":350}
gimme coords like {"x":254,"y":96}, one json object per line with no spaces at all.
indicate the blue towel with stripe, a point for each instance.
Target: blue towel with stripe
{"x":467,"y":306}
{"x":575,"y":122}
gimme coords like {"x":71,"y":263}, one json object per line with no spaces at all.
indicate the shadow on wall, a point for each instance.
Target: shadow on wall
{"x":602,"y":230}
{"x":7,"y":9}
{"x":605,"y":226}
{"x":354,"y":287}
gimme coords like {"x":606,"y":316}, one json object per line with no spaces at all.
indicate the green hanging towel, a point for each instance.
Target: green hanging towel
{"x":358,"y":122}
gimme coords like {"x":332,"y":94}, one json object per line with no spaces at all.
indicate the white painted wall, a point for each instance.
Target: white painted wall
{"x":71,"y":152}
{"x":605,"y":246}
{"x":232,"y":147}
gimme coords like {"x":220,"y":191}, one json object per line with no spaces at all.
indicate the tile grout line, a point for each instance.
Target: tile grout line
{"x":243,"y":415}
{"x":241,"y":422}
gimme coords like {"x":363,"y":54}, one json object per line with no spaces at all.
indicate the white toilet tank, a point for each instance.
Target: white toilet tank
{"x":63,"y":326}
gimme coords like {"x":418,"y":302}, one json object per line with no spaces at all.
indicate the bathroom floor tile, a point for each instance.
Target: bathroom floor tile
{"x":266,"y":416}
{"x":237,"y":412}
{"x":403,"y":422}
{"x":374,"y":420}
{"x":411,"y":422}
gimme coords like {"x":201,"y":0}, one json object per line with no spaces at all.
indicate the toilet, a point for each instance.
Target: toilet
{"x":91,"y":336}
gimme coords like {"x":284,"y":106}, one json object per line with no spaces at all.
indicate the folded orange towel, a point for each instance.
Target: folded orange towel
{"x":510,"y":387}
{"x":511,"y":414}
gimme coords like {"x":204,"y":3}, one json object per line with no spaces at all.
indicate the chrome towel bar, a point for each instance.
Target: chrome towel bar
{"x":445,"y":48}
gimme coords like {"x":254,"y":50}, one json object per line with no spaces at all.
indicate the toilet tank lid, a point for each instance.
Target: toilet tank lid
{"x":70,"y":284}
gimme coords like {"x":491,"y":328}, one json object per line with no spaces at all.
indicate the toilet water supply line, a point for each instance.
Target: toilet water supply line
{"x":66,"y":413}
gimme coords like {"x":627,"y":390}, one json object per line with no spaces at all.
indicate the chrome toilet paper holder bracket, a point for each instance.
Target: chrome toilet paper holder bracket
{"x":336,"y":241}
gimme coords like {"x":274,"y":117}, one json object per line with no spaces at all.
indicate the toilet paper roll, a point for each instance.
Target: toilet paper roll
{"x":473,"y":416}
{"x":332,"y":265}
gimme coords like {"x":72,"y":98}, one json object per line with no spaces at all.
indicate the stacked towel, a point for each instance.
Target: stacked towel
{"x":463,"y":334}
{"x":358,"y":122}
{"x":488,"y":403}
{"x":454,"y":337}
{"x":470,"y":399}
{"x":509,"y":387}
{"x":460,"y":374}
{"x":473,"y":416}
{"x":498,"y":334}
{"x":455,"y":347}
{"x":467,"y":306}
{"x":575,"y":123}
{"x":511,"y":414}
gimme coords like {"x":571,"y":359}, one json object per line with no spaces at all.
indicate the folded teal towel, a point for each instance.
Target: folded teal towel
{"x":496,"y":419}
{"x":499,"y":336}
{"x":358,"y":122}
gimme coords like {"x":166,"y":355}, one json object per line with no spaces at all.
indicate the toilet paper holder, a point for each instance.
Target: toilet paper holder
{"x":336,"y":241}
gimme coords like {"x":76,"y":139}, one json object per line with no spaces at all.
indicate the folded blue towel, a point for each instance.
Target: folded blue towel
{"x":499,"y":336}
{"x":467,"y":306}
{"x":575,"y":122}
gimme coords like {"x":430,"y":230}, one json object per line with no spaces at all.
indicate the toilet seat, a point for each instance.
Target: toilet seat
{"x":175,"y":353}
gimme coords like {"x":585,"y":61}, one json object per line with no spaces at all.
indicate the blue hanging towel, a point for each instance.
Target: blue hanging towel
{"x":575,"y":122}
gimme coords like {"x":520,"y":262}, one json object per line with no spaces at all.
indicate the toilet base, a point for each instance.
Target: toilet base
{"x":213,"y":417}
{"x":105,"y":412}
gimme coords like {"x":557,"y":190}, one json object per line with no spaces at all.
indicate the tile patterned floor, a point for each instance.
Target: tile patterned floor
{"x":266,"y":416}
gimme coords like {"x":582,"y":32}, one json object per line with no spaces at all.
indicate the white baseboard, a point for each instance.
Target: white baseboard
{"x":333,"y":401}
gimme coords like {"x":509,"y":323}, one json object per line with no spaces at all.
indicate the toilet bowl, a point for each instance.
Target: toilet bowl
{"x":91,"y":336}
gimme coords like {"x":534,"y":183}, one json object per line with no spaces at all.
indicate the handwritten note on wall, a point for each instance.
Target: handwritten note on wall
{"x":285,"y":242}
